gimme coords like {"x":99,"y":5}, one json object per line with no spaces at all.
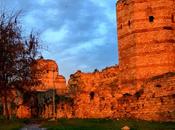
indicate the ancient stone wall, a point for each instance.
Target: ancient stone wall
{"x":49,"y":77}
{"x":141,"y":87}
{"x":93,"y":92}
{"x":51,"y":80}
{"x":26,"y":103}
{"x":154,"y":101}
{"x":16,"y":106}
{"x":64,"y":109}
{"x":146,"y":39}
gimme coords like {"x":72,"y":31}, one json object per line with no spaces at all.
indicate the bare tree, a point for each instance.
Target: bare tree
{"x":17,"y":54}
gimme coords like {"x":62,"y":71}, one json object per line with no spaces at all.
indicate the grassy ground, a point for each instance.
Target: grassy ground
{"x":102,"y":124}
{"x":89,"y":124}
{"x":10,"y":125}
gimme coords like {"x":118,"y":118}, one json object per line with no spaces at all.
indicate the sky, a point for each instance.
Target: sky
{"x":77,"y":34}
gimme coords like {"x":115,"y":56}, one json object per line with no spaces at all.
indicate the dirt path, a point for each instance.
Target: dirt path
{"x":32,"y":127}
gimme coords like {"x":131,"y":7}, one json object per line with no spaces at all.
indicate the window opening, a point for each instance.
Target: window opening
{"x":158,"y":86}
{"x":129,"y":23}
{"x":151,"y":18}
{"x":92,"y":94}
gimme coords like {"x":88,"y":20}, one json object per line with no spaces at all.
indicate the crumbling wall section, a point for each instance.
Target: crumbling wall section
{"x":94,"y":92}
{"x":154,"y":101}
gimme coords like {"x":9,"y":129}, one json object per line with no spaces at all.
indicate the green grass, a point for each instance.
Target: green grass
{"x":103,"y":124}
{"x":10,"y":125}
{"x":89,"y":124}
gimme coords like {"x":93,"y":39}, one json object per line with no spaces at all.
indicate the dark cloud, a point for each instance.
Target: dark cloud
{"x":80,"y":34}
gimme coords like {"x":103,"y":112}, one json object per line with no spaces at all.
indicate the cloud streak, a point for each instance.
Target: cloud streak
{"x":79,"y":34}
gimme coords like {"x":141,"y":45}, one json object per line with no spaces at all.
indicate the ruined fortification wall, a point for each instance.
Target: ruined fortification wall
{"x":49,"y":77}
{"x":141,"y":87}
{"x":158,"y":99}
{"x":15,"y":105}
{"x":146,"y":39}
{"x":64,"y":109}
{"x":154,"y":101}
{"x":93,"y":92}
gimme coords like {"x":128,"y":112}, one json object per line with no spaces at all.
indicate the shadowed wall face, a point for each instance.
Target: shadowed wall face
{"x":146,"y":39}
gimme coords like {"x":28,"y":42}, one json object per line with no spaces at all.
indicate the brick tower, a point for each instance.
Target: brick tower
{"x":146,"y":39}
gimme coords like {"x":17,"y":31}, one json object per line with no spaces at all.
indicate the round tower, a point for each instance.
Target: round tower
{"x":146,"y":39}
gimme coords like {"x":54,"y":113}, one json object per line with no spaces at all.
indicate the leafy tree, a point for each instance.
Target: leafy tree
{"x":17,"y":56}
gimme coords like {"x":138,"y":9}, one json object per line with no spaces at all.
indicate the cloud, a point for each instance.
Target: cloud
{"x":79,"y":34}
{"x":54,"y":36}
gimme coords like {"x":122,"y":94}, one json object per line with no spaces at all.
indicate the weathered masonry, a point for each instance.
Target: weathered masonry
{"x":146,"y":39}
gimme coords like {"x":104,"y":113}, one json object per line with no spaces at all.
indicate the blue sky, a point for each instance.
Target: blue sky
{"x":78,"y":34}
